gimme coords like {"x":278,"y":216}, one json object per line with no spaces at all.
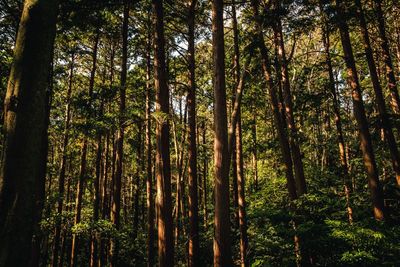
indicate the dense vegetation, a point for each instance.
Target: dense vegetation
{"x":199,"y":133}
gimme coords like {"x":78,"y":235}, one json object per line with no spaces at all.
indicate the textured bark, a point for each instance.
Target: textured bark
{"x":359,"y":113}
{"x":22,"y":180}
{"x":387,"y":58}
{"x":163,"y":165}
{"x":222,"y":245}
{"x":205,"y":174}
{"x":239,"y":151}
{"x":282,"y":135}
{"x":193,"y":259}
{"x":287,"y":95}
{"x":337,"y":117}
{"x":149,"y":173}
{"x":379,"y":97}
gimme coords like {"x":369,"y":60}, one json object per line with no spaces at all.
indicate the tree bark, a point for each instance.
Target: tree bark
{"x":338,"y":119}
{"x":283,"y":139}
{"x":380,"y":100}
{"x":149,"y":174}
{"x":359,"y":113}
{"x":163,"y":170}
{"x":387,"y":58}
{"x":193,"y":259}
{"x":25,"y":132}
{"x":287,"y":95}
{"x":239,"y":151}
{"x":222,"y":245}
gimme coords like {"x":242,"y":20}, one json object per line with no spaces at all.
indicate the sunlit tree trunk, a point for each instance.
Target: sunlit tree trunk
{"x":338,"y":118}
{"x":287,"y":95}
{"x":163,"y":166}
{"x":222,"y":245}
{"x":239,"y":151}
{"x":283,"y":139}
{"x":193,"y":259}
{"x":359,"y":113}
{"x":380,"y":100}
{"x":387,"y":58}
{"x":149,"y":173}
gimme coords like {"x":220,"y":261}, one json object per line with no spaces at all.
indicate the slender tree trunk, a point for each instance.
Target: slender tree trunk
{"x":96,"y":203}
{"x":283,"y":139}
{"x":163,"y":168}
{"x":380,"y":100}
{"x":25,"y":129}
{"x":193,"y":259}
{"x":359,"y":113}
{"x":293,"y":135}
{"x":338,"y":120}
{"x":116,"y":204}
{"x":136,"y":197}
{"x":61,"y":179}
{"x":222,"y":245}
{"x":239,"y":152}
{"x":104,"y":197}
{"x":82,"y":175}
{"x":387,"y":58}
{"x":205,"y":175}
{"x":149,"y":174}
{"x":254,"y":150}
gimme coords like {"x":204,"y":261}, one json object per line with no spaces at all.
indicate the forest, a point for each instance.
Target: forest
{"x":199,"y":133}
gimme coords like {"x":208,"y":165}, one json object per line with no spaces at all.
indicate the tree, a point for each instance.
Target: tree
{"x":193,"y":198}
{"x":163,"y":169}
{"x":22,"y":176}
{"x":222,"y":250}
{"x":359,"y":113}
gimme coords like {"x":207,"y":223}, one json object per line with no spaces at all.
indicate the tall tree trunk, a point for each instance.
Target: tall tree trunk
{"x":136,"y":197}
{"x":222,"y":245}
{"x":96,"y":201}
{"x":254,"y":150}
{"x":359,"y":113}
{"x":239,"y":152}
{"x":283,"y":139}
{"x":149,"y":174}
{"x":293,"y":134}
{"x":387,"y":58}
{"x":104,"y":198}
{"x":205,"y":174}
{"x":193,"y":259}
{"x":82,"y":175}
{"x":61,"y":179}
{"x":163,"y":165}
{"x":116,"y":204}
{"x":338,"y":119}
{"x":380,"y":100}
{"x":25,"y":132}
